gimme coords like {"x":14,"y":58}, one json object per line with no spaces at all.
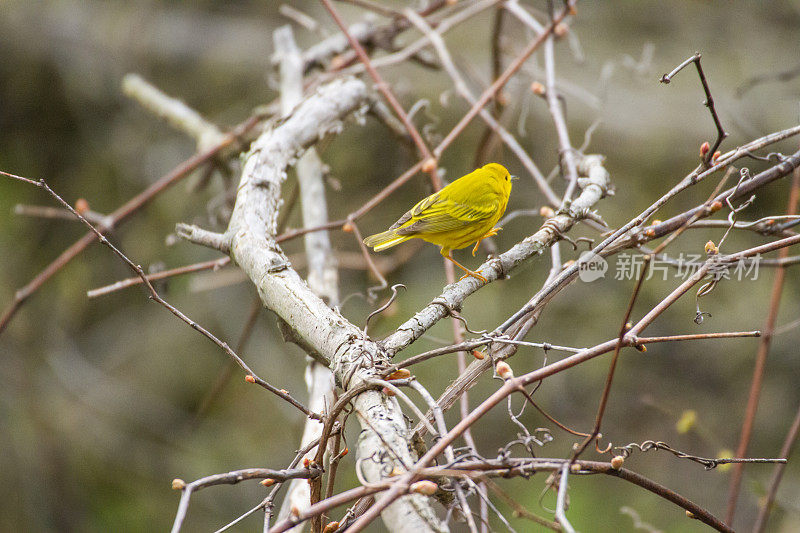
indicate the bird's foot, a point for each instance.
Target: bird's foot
{"x":471,"y":274}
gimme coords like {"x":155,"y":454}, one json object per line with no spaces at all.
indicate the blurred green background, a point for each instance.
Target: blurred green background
{"x":99,"y":398}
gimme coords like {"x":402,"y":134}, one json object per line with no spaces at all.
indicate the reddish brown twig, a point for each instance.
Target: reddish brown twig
{"x":383,"y":87}
{"x":709,"y":103}
{"x":231,"y":478}
{"x":188,"y":269}
{"x":172,"y":309}
{"x":761,"y":361}
{"x":225,"y":374}
{"x":121,"y":214}
{"x":500,"y":82}
{"x":505,"y":468}
{"x":511,"y":385}
{"x":612,"y":367}
{"x":777,"y":475}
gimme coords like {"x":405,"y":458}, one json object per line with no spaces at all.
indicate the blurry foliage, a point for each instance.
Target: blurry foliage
{"x":98,"y":397}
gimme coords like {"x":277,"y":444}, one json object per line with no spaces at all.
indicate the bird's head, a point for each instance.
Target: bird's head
{"x":501,"y":174}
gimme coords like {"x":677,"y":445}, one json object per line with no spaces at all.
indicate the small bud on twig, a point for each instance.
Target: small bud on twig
{"x":715,"y":157}
{"x":249,"y":378}
{"x":704,"y":149}
{"x":546,"y":211}
{"x":537,"y":88}
{"x":345,"y":451}
{"x":268,"y":482}
{"x":655,"y":222}
{"x":641,"y":347}
{"x":429,"y":165}
{"x":331,"y":527}
{"x":402,"y":373}
{"x":711,"y":248}
{"x":337,"y":62}
{"x":650,"y":233}
{"x":295,"y":511}
{"x":716,"y":206}
{"x":502,"y":98}
{"x":347,"y":227}
{"x":560,"y":30}
{"x":428,"y":488}
{"x":387,"y":391}
{"x":477,"y":354}
{"x":81,"y":205}
{"x":690,"y":514}
{"x":616,"y":462}
{"x":503,"y":370}
{"x":178,"y":484}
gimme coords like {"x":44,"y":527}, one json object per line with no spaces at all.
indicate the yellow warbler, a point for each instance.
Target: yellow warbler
{"x":462,"y":213}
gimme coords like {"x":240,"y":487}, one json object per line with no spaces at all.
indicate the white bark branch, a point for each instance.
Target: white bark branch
{"x":176,"y":113}
{"x":323,"y":279}
{"x":353,"y":356}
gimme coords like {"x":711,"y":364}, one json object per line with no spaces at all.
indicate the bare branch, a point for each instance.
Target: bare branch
{"x":353,"y":357}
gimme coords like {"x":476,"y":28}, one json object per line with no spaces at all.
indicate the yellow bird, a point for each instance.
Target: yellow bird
{"x":462,"y":213}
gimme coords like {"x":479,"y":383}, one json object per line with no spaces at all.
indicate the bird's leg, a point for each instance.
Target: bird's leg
{"x":491,"y":233}
{"x":467,"y":272}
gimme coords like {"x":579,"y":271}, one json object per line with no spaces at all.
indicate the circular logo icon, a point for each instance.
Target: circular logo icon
{"x":591,"y":267}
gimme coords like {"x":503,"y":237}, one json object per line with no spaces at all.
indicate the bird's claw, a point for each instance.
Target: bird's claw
{"x":471,"y":274}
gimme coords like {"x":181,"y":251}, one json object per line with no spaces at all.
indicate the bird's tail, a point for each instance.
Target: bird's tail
{"x":387,"y":239}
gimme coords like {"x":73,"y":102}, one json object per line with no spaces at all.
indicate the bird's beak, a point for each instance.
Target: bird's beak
{"x":513,"y":178}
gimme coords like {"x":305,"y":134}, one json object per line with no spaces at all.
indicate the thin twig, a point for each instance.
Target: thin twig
{"x":214,"y":264}
{"x":500,"y":82}
{"x":231,"y":478}
{"x":777,"y":474}
{"x":612,"y":366}
{"x":565,"y":150}
{"x":709,"y":103}
{"x":383,"y":87}
{"x":761,"y":361}
{"x":172,"y":309}
{"x":561,"y":503}
{"x":122,"y":213}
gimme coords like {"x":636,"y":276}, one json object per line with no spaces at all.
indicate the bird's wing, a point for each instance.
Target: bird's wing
{"x":441,"y":215}
{"x":415,"y":211}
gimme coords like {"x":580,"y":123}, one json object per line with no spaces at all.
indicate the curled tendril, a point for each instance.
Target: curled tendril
{"x":453,"y":313}
{"x":777,"y":156}
{"x":597,"y":445}
{"x":385,"y":306}
{"x":648,"y":445}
